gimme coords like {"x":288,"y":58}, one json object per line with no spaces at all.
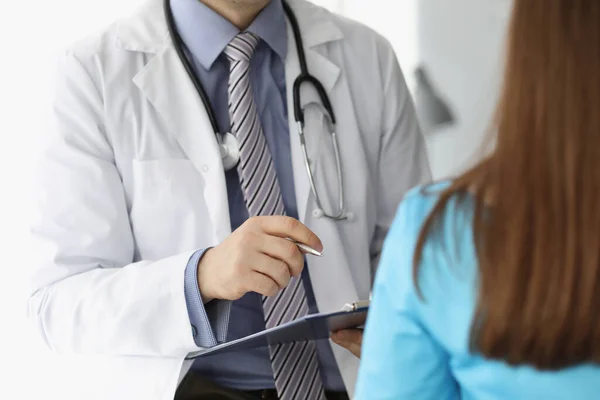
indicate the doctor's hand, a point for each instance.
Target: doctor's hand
{"x":257,"y":257}
{"x":350,"y":339}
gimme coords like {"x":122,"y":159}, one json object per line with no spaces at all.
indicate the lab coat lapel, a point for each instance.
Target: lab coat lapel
{"x":333,"y":266}
{"x":167,"y":86}
{"x":314,"y":33}
{"x":317,"y":31}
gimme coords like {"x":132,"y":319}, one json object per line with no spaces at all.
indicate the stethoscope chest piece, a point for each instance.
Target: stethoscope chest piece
{"x":229,"y":146}
{"x":230,"y":151}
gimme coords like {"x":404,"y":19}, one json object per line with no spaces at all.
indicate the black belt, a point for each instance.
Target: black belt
{"x":271,"y":394}
{"x":196,"y":387}
{"x":267,"y":394}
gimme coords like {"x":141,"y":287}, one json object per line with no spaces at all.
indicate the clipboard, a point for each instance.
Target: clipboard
{"x":310,"y":327}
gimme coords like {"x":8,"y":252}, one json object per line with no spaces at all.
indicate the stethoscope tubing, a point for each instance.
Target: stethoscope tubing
{"x":304,"y":78}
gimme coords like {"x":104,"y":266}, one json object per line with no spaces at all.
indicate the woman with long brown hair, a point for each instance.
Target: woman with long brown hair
{"x":489,"y":284}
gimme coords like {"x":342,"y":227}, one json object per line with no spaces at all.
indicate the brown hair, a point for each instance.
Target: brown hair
{"x":538,"y":240}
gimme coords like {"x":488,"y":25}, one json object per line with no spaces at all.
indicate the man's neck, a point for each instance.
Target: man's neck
{"x":241,"y":13}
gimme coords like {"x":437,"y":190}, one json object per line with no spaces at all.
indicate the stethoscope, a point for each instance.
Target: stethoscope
{"x":228,"y":144}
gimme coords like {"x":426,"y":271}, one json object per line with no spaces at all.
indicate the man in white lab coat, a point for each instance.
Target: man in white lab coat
{"x":136,"y":211}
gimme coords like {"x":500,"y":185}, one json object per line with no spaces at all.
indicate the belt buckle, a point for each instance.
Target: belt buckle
{"x":268,"y":394}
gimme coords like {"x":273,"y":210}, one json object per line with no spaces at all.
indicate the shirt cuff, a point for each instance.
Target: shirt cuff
{"x":209,"y":322}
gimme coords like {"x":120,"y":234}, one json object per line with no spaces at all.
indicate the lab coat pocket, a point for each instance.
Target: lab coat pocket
{"x":168,"y":212}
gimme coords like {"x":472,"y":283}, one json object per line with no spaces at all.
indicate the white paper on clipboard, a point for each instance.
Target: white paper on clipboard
{"x":310,"y":327}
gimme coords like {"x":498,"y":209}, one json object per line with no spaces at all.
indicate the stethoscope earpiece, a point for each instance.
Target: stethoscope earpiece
{"x":230,"y":151}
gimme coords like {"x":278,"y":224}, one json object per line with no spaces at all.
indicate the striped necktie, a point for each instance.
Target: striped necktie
{"x":295,"y":366}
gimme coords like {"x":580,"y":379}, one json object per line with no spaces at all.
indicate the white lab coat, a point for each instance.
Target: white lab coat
{"x":131,"y":184}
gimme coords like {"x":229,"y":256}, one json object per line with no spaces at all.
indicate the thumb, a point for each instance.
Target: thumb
{"x":336,"y":337}
{"x":348,"y":335}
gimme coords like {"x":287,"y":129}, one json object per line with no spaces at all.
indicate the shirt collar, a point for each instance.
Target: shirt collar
{"x":206,"y":33}
{"x":271,"y":27}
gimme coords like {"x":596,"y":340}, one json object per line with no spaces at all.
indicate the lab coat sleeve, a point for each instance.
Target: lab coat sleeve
{"x":87,"y":296}
{"x":400,"y":360}
{"x":403,"y":162}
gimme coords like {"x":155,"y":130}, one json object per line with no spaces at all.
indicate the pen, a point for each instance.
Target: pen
{"x":356,"y":305}
{"x":305,"y":248}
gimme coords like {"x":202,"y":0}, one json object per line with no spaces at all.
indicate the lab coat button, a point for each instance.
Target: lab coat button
{"x":318,"y":213}
{"x":205,"y":168}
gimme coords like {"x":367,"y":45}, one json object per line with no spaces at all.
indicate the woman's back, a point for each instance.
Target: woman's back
{"x":419,"y":349}
{"x":489,"y":285}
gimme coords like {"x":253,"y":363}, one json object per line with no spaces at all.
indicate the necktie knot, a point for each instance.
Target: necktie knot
{"x":241,"y":47}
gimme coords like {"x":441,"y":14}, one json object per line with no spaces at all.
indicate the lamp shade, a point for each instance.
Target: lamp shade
{"x":432,"y":110}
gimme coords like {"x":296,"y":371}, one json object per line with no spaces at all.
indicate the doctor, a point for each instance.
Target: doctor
{"x":142,"y":183}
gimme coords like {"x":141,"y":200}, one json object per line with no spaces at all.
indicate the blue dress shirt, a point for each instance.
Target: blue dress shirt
{"x":419,"y":350}
{"x":206,"y":34}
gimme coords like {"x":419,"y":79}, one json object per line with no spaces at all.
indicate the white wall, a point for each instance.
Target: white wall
{"x":31,"y":34}
{"x":461,"y":44}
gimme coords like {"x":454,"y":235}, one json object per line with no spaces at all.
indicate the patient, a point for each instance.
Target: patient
{"x":489,"y":285}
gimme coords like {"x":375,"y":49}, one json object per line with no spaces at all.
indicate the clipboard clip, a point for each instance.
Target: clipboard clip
{"x":349,"y":307}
